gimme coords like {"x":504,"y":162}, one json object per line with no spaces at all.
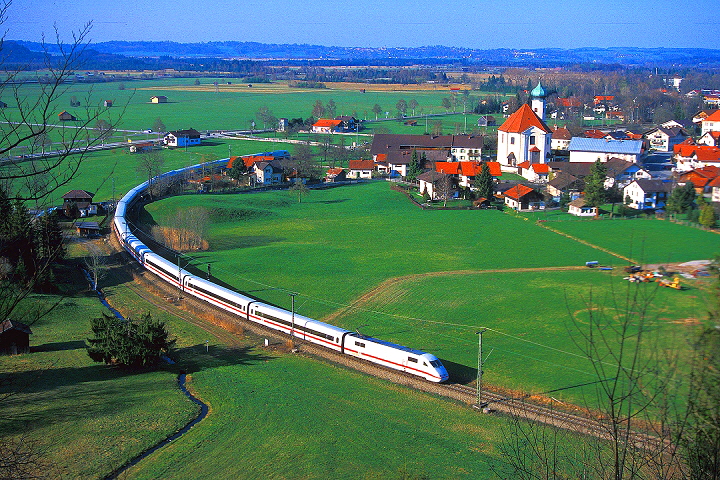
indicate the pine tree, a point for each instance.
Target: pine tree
{"x":595,"y":185}
{"x":681,"y":199}
{"x":484,"y":183}
{"x":708,"y":217}
{"x":134,"y":344}
{"x":414,"y":169}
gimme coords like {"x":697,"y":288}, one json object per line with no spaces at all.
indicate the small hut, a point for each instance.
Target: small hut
{"x":14,"y":337}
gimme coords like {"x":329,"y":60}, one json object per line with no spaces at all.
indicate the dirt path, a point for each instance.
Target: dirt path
{"x":368,"y":297}
{"x":597,"y":247}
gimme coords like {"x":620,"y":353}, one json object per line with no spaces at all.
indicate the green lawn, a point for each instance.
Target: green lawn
{"x":341,"y":243}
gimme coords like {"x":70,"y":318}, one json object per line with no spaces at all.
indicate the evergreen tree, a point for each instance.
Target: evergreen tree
{"x":414,"y":169}
{"x":681,"y":199}
{"x":134,"y":344}
{"x":484,"y":183}
{"x":595,"y":185}
{"x":708,"y":217}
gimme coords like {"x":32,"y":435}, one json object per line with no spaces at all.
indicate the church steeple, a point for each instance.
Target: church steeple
{"x":537,"y":100}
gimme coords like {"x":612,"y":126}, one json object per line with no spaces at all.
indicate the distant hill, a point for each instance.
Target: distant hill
{"x":547,"y":57}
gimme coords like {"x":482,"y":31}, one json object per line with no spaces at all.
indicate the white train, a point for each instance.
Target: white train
{"x":388,"y":354}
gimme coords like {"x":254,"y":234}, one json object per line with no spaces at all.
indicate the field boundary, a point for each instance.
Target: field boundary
{"x":585,"y":242}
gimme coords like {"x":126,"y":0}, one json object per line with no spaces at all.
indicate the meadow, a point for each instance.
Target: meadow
{"x":363,"y":257}
{"x":272,"y":415}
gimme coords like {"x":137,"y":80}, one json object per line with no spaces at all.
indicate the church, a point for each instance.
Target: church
{"x":524,"y":137}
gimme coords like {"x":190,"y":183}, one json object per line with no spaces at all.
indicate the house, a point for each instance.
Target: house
{"x":465,"y":172}
{"x":486,"y":121}
{"x":534,"y":172}
{"x":327,"y":125}
{"x":615,"y":115}
{"x":158,"y":99}
{"x":182,"y":138}
{"x":560,"y":138}
{"x":522,"y":131}
{"x":348,"y":123}
{"x":433,"y":183}
{"x":141,"y":147}
{"x":594,"y":133}
{"x":87,"y":229}
{"x":563,"y":183}
{"x":66,"y":116}
{"x":14,"y":337}
{"x":360,"y":168}
{"x":621,"y":172}
{"x":690,"y":157}
{"x":663,"y":139}
{"x":410,"y":123}
{"x":268,"y":172}
{"x":701,"y":178}
{"x":522,"y":197}
{"x":715,"y":190}
{"x":711,"y":123}
{"x":396,"y":150}
{"x":592,"y":149}
{"x":82,"y":199}
{"x":107,"y":103}
{"x":647,"y":194}
{"x":711,"y":139}
{"x":579,"y":208}
{"x":335,"y":175}
{"x":702,"y":115}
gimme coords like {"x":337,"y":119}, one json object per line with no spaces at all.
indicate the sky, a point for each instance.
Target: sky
{"x":376,"y":23}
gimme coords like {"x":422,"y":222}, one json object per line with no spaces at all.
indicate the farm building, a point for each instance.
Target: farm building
{"x":397,"y":150}
{"x":327,"y":125}
{"x":158,"y":99}
{"x":182,"y":138}
{"x":107,"y":103}
{"x":335,"y":175}
{"x":82,"y":199}
{"x":87,"y":229}
{"x":66,"y":116}
{"x":486,"y":121}
{"x":14,"y":337}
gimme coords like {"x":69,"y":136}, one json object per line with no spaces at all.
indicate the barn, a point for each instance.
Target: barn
{"x":14,"y":337}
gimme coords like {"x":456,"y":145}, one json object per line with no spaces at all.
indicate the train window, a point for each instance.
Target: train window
{"x":360,"y":344}
{"x":435,"y":363}
{"x":424,"y":363}
{"x":411,"y":359}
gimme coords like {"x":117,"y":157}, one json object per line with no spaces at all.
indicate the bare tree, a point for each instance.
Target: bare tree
{"x":150,"y":164}
{"x":95,"y":263}
{"x":444,"y":188}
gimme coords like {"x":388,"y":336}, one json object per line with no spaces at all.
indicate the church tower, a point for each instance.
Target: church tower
{"x":537,"y":97}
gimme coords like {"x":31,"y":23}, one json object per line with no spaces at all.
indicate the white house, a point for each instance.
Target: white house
{"x":360,"y":168}
{"x":647,"y":194}
{"x":579,"y":208}
{"x":326,"y":125}
{"x":433,"y":183}
{"x":268,"y":173}
{"x":560,"y":139}
{"x":715,"y":189}
{"x":592,"y":149}
{"x":711,"y":123}
{"x":663,"y":139}
{"x":534,"y":172}
{"x":182,"y":138}
{"x":711,"y":139}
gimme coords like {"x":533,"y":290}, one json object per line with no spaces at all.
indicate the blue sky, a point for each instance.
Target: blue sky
{"x":377,"y":23}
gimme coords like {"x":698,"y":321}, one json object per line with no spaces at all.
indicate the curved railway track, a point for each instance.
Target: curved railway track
{"x":164,"y":297}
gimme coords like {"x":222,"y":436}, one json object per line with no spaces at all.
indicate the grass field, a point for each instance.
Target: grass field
{"x":272,"y":415}
{"x":432,"y":279}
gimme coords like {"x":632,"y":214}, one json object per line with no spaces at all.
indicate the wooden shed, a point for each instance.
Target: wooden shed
{"x":86,"y":229}
{"x":14,"y":337}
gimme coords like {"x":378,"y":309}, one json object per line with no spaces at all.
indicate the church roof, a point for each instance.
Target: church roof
{"x":538,"y":92}
{"x":522,"y":119}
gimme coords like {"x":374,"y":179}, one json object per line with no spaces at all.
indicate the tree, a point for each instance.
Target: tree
{"x":95,"y":263}
{"x":681,"y":199}
{"x":401,"y":107}
{"x":158,"y":126}
{"x":304,"y":162}
{"x":414,"y":168}
{"x":436,"y":127}
{"x":595,"y":185}
{"x":377,"y":110}
{"x":484,"y":183}
{"x":133,"y":344}
{"x":412,"y":105}
{"x":444,"y":188}
{"x":318,"y":109}
{"x":265,"y":115}
{"x":150,"y":164}
{"x":299,"y":189}
{"x":708,"y":217}
{"x":103,"y":130}
{"x":330,"y":108}
{"x":446,"y":104}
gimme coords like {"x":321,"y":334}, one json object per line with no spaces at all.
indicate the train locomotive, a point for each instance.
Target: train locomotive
{"x":346,"y":342}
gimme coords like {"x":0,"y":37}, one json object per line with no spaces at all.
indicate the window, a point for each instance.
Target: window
{"x":532,"y":139}
{"x":360,"y":344}
{"x":411,"y":359}
{"x":512,"y":140}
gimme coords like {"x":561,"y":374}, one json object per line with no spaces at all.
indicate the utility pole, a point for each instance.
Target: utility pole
{"x":479,"y":370}
{"x":292,"y":307}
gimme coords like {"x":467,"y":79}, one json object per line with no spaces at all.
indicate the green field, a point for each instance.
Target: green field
{"x":340,"y":244}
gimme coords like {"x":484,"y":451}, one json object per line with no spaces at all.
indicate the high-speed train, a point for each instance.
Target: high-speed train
{"x":384,"y":353}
